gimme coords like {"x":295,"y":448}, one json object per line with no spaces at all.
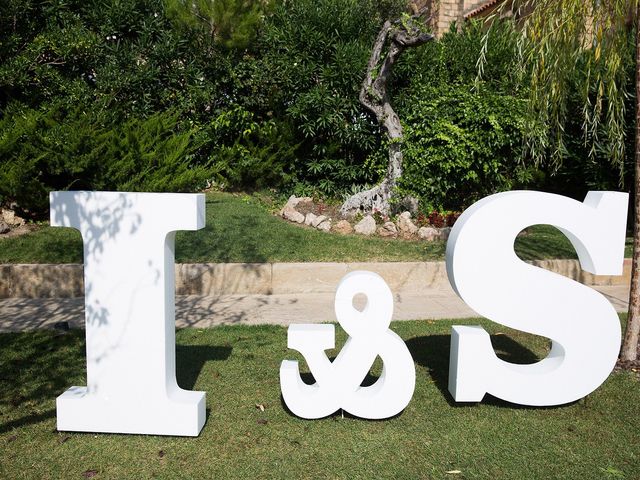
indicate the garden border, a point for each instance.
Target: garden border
{"x":214,"y":279}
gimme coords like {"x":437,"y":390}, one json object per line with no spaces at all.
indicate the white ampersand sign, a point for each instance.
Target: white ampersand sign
{"x":338,"y":383}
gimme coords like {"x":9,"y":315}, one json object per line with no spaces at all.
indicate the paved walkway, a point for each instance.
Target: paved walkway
{"x":207,"y":311}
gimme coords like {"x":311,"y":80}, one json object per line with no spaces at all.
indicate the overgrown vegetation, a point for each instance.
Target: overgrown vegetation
{"x":243,"y":94}
{"x":61,"y":150}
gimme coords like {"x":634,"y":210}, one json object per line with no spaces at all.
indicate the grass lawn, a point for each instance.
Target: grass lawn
{"x":240,"y":229}
{"x":237,"y":366}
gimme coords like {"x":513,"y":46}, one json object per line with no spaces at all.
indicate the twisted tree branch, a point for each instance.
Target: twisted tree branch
{"x":392,"y":40}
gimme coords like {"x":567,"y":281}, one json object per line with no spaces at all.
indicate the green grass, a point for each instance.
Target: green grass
{"x":237,"y":366}
{"x":545,"y":241}
{"x":240,"y":229}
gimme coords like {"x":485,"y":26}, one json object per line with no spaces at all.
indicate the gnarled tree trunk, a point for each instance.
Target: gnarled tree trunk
{"x":393,"y":39}
{"x":630,"y":352}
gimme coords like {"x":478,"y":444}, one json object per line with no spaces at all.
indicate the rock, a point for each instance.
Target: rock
{"x":293,"y":202}
{"x":388,"y":230}
{"x":10,"y":218}
{"x":366,"y":226}
{"x":343,"y":227}
{"x":292,"y":215}
{"x":325,"y":226}
{"x":310,"y":219}
{"x":4,"y":227}
{"x":406,"y":227}
{"x":410,"y":204}
{"x":289,"y":211}
{"x":318,"y":220}
{"x":444,"y":233}
{"x":429,"y":234}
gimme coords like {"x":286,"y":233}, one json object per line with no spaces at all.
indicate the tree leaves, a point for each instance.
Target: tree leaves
{"x":572,"y":46}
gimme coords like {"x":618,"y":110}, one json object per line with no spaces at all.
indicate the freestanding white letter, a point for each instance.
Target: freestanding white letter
{"x":486,"y":273}
{"x":129,"y":310}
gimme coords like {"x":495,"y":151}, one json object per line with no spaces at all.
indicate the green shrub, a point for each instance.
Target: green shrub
{"x":57,"y":149}
{"x":453,"y":59}
{"x":476,"y":114}
{"x":90,"y":93}
{"x":246,"y":153}
{"x":231,"y":23}
{"x":463,"y":135}
{"x":311,"y":60}
{"x":123,"y":56}
{"x":152,"y":155}
{"x":460,"y":145}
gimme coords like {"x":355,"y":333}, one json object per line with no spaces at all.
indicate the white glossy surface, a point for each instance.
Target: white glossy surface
{"x":338,"y":383}
{"x":486,"y":273}
{"x":129,"y":310}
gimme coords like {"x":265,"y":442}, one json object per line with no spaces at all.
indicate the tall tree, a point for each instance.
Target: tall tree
{"x":630,"y":345}
{"x":393,"y":39}
{"x":583,"y":42}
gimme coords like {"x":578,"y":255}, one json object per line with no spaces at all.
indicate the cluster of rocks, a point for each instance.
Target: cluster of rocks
{"x":404,"y":227}
{"x":9,"y":220}
{"x":289,"y":212}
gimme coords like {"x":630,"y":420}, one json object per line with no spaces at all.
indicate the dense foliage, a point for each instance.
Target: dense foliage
{"x":270,"y":100}
{"x":313,"y":58}
{"x":462,"y":137}
{"x":61,"y":149}
{"x":173,"y":95}
{"x":461,"y":146}
{"x":97,"y":95}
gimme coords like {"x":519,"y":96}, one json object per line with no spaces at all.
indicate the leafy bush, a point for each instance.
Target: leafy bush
{"x":460,"y":146}
{"x":312,"y":57}
{"x":139,"y":94}
{"x":280,"y":108}
{"x":478,"y":114}
{"x":56,"y":149}
{"x":231,"y":23}
{"x":123,"y":56}
{"x":463,"y":135}
{"x":453,"y":59}
{"x":247,"y":153}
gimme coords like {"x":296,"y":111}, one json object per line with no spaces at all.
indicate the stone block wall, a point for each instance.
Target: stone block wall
{"x":449,"y":11}
{"x":446,"y":12}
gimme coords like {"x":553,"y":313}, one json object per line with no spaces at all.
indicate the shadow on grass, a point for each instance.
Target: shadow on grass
{"x":228,"y":236}
{"x":543,"y":241}
{"x":38,"y":366}
{"x":190,"y":360}
{"x":432,"y":352}
{"x":27,"y":420}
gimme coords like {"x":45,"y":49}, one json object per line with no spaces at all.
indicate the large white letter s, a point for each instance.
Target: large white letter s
{"x":486,"y":273}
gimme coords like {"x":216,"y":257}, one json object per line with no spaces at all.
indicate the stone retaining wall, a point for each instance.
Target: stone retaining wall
{"x":214,"y":279}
